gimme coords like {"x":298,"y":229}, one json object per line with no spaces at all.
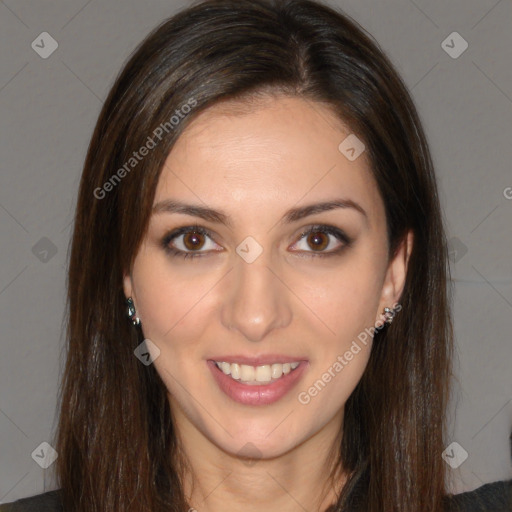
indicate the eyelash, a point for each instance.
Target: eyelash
{"x":318,"y":228}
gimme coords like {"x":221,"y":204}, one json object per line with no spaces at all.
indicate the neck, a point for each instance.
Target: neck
{"x":216,"y":481}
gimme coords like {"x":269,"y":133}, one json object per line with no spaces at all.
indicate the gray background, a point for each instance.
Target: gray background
{"x":48,"y":109}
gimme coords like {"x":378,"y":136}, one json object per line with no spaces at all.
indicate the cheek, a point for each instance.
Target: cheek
{"x":344,"y":300}
{"x":171,"y":306}
{"x":154,"y":293}
{"x":173,"y":317}
{"x":333,"y":380}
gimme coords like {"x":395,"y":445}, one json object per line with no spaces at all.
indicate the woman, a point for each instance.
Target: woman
{"x":259,"y":200}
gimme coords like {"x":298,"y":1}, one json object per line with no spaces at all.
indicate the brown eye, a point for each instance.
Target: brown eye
{"x":323,"y":240}
{"x":193,"y":240}
{"x":189,"y":242}
{"x":318,"y":240}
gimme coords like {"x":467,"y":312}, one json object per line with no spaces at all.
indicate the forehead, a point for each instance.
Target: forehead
{"x":266,"y":155}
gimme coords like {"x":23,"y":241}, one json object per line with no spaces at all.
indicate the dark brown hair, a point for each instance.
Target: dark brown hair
{"x":116,"y":443}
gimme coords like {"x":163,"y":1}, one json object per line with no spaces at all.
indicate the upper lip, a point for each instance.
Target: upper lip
{"x":258,"y":360}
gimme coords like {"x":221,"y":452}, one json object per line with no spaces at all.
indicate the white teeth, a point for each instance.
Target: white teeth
{"x":277,"y":370}
{"x":247,"y":373}
{"x":263,"y":373}
{"x":235,"y":370}
{"x":256,"y":374}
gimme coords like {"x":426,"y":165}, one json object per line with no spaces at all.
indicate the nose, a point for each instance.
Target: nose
{"x":257,"y":299}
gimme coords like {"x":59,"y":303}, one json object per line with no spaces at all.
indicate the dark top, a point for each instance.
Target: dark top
{"x":493,"y":497}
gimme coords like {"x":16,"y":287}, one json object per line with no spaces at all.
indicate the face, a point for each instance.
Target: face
{"x":264,"y":279}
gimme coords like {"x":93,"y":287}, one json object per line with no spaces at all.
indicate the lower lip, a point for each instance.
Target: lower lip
{"x":255,"y":394}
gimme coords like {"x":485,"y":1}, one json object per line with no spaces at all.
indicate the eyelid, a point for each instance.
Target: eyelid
{"x":175,"y":233}
{"x":338,"y":233}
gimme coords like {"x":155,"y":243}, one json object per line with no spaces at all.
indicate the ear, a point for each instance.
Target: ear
{"x":127,"y":285}
{"x":394,"y":281}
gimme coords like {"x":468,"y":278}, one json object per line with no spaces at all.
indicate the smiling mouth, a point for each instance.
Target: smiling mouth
{"x":256,"y":375}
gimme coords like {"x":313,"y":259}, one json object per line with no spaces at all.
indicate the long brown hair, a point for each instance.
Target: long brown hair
{"x":116,"y":442}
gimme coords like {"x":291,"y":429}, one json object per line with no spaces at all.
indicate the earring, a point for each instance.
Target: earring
{"x":131,"y":311}
{"x":389,"y":314}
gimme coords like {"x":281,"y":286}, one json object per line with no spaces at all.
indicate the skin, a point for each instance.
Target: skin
{"x":254,"y":165}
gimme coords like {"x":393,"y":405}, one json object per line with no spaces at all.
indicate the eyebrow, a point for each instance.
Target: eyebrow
{"x":219,"y":217}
